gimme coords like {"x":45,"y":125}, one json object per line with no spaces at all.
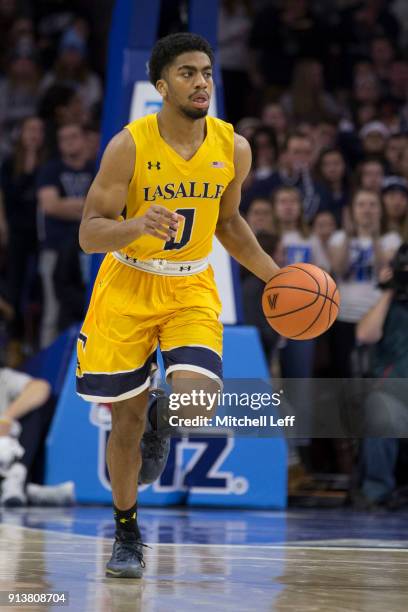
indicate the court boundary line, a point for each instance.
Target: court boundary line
{"x":202,"y":545}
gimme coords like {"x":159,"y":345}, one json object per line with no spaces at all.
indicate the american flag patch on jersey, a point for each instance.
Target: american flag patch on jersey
{"x":218,"y":164}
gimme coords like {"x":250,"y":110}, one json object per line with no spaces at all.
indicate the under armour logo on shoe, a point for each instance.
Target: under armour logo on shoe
{"x":151,"y":165}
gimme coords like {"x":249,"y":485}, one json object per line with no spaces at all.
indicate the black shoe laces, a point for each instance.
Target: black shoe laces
{"x":130,"y":549}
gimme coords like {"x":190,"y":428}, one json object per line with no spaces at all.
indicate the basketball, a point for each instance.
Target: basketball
{"x":301,"y":301}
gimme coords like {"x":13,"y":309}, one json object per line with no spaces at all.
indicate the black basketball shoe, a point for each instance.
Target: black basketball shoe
{"x":155,"y":444}
{"x":127,"y":556}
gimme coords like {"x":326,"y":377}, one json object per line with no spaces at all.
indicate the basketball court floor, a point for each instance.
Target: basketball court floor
{"x":303,"y":561}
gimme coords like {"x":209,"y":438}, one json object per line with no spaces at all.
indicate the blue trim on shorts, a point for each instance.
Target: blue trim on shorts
{"x":195,"y":356}
{"x":115,"y":384}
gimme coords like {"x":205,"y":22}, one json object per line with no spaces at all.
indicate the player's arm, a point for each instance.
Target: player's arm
{"x":101,"y":230}
{"x":232,"y":230}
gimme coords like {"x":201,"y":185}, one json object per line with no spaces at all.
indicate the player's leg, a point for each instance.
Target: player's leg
{"x":191,"y":343}
{"x":199,"y":387}
{"x":155,"y":445}
{"x":116,"y":347}
{"x":124,"y":462}
{"x":123,"y":450}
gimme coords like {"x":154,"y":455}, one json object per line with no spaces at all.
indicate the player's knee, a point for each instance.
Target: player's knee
{"x":195,"y":398}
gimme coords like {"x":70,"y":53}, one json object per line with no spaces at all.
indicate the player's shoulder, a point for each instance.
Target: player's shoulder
{"x":242,"y":156}
{"x":140,"y":124}
{"x":241,"y":144}
{"x":121,"y":143}
{"x":119,"y":156}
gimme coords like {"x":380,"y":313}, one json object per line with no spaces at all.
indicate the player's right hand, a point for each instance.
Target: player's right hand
{"x":160,"y":222}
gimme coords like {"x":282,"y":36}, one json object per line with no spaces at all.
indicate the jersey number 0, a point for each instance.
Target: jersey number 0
{"x":188,"y":214}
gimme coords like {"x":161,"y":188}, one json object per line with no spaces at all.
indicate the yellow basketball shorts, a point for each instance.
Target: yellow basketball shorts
{"x":131,"y":314}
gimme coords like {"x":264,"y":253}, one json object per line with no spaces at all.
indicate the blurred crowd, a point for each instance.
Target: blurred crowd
{"x":320,"y":90}
{"x":51,"y":90}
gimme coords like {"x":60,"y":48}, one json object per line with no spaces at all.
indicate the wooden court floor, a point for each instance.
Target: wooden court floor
{"x":208,"y":560}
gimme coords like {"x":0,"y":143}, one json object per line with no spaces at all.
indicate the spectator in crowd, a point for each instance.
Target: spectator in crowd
{"x":3,"y":225}
{"x":404,"y":164}
{"x":247,"y":126}
{"x":273,"y":116}
{"x":280,"y":36}
{"x":331,"y":171}
{"x":374,"y":136}
{"x":366,"y":92}
{"x":307,"y":98}
{"x":324,"y":136}
{"x":72,"y":70}
{"x":395,"y":217}
{"x":62,"y":187}
{"x":264,"y":152}
{"x":260,"y":216}
{"x":26,"y":410}
{"x":296,"y":357}
{"x":20,"y":395}
{"x":294,"y":170}
{"x":370,"y":174}
{"x":382,"y":53}
{"x":6,"y":309}
{"x":71,"y":278}
{"x":252,"y":290}
{"x":357,"y":26}
{"x":385,"y":326}
{"x":18,"y":186}
{"x":290,"y":225}
{"x":323,"y":227}
{"x":19,"y":91}
{"x":60,"y":105}
{"x":398,"y":81}
{"x":355,"y":258}
{"x":93,"y":139}
{"x":394,"y":149}
{"x":234,"y":23}
{"x":8,"y":15}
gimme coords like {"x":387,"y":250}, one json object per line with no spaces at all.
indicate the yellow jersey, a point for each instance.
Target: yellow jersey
{"x":191,"y":188}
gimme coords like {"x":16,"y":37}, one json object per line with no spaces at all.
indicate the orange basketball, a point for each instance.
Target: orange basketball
{"x":301,"y":301}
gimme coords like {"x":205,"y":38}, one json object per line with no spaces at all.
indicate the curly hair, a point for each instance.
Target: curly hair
{"x":168,"y":48}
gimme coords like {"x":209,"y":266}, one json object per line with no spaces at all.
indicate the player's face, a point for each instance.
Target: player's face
{"x":188,"y":84}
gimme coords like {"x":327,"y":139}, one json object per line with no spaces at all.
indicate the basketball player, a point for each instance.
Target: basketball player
{"x":167,"y":183}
